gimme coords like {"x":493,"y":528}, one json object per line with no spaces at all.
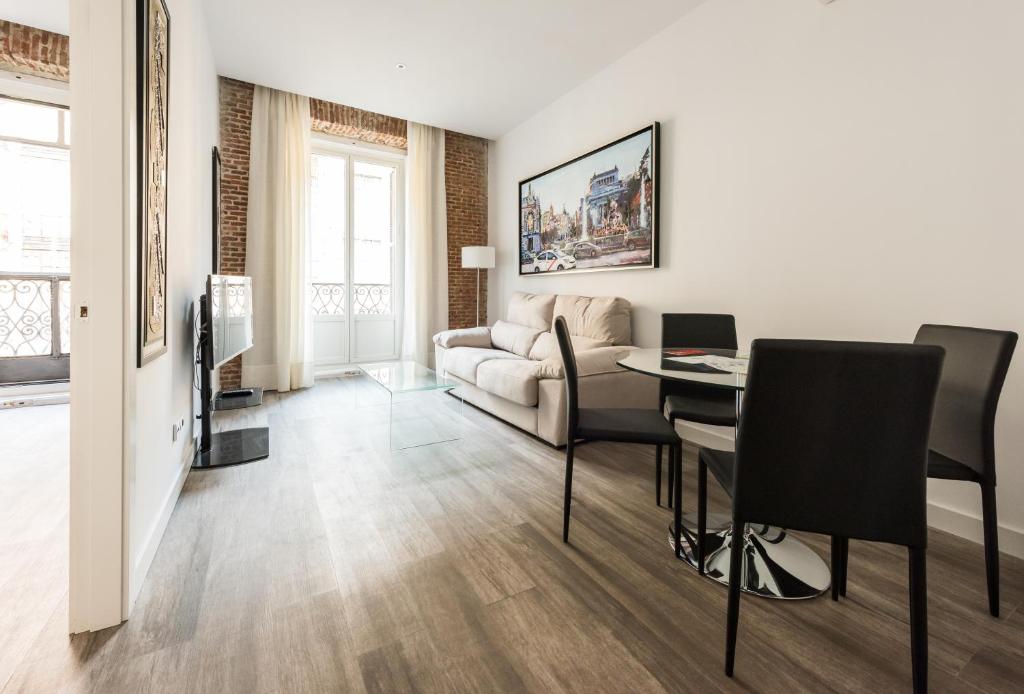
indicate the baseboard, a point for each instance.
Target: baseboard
{"x":941,"y":517}
{"x":968,"y":526}
{"x":156,"y":534}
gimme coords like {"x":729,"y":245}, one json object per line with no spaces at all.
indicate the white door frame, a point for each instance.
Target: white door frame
{"x":385,"y":156}
{"x":102,"y":104}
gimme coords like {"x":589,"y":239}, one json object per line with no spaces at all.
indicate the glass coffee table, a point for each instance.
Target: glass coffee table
{"x":416,"y":417}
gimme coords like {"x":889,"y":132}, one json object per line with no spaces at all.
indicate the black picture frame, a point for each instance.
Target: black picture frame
{"x":607,"y":244}
{"x":215,"y":194}
{"x":148,"y":350}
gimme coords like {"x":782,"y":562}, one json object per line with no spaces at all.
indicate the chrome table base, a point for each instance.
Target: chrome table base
{"x":775,"y":564}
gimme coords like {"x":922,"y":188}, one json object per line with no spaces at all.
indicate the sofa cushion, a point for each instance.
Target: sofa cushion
{"x":464,"y":337}
{"x":604,"y":318}
{"x":463,"y":361}
{"x":531,"y":310}
{"x":513,"y":337}
{"x":589,"y":363}
{"x":546,"y":345}
{"x":512,"y":379}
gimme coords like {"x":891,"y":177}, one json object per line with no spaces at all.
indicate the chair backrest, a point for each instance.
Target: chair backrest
{"x":716,"y":330}
{"x":833,"y":438}
{"x":972,"y":379}
{"x":571,"y":375}
{"x":698,"y":330}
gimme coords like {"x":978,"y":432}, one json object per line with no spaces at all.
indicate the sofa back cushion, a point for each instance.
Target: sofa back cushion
{"x":603,"y":318}
{"x":532,"y":310}
{"x":513,"y":337}
{"x":546,"y":345}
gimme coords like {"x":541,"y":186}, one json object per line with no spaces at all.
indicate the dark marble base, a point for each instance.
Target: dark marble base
{"x":234,"y":448}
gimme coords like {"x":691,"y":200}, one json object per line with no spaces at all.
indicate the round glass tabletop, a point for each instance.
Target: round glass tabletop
{"x":722,"y":368}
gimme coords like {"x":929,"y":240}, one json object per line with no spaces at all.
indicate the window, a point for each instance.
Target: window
{"x":354,"y":226}
{"x":35,"y":241}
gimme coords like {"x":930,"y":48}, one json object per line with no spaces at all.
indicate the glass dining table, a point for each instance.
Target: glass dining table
{"x":775,"y":563}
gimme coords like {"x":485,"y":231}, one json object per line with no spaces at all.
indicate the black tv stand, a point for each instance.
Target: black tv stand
{"x":224,"y":448}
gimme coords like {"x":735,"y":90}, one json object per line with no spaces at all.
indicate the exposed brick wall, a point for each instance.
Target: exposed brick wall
{"x":30,"y":51}
{"x":235,"y":121}
{"x":465,"y":180}
{"x":365,"y":126}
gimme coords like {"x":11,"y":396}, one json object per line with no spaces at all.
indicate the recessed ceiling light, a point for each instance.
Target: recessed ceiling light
{"x":400,"y":66}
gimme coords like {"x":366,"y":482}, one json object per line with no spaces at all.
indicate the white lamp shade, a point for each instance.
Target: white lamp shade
{"x":477,"y":256}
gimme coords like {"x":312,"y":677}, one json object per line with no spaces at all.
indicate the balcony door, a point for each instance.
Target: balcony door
{"x":356,"y":201}
{"x":35,"y":242}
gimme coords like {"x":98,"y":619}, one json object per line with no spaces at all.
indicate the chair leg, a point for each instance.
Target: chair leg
{"x":671,"y":480}
{"x":844,"y":563}
{"x":733,"y":618}
{"x":568,"y":488}
{"x":989,"y":519}
{"x":676,"y":454}
{"x":919,"y":619}
{"x":657,"y":476}
{"x":702,"y":511}
{"x":836,"y":565}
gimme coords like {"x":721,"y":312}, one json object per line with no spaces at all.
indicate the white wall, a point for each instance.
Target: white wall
{"x":847,"y":171}
{"x":160,"y":393}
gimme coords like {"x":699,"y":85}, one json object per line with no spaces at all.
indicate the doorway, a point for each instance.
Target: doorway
{"x":355,"y":228}
{"x":35,"y":242}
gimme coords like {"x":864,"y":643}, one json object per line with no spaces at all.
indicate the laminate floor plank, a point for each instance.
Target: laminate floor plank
{"x":340,"y":565}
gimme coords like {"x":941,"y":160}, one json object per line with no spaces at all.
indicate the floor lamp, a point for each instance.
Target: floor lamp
{"x":478,"y":257}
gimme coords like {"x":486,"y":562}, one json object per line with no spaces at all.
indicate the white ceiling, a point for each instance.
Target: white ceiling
{"x":476,"y":66}
{"x":51,"y":15}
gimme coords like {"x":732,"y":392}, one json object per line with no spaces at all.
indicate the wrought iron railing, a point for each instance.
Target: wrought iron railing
{"x":31,"y":305}
{"x":328,"y":299}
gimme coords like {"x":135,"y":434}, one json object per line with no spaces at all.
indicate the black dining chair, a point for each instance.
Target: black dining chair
{"x":833,"y":439}
{"x":962,"y":444}
{"x":589,"y":424}
{"x":694,"y":402}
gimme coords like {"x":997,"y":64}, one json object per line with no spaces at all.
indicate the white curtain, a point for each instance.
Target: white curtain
{"x":276,"y":252}
{"x":426,"y":244}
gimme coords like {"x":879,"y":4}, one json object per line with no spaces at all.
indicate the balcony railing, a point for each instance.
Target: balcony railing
{"x":31,"y":305}
{"x":328,"y":299}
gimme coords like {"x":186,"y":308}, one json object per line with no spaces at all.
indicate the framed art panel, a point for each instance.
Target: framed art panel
{"x":598,"y":211}
{"x":153,"y":37}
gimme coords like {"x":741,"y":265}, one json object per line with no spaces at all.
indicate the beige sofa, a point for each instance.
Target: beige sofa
{"x":514,"y":371}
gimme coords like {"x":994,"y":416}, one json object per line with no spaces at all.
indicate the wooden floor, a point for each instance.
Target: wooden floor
{"x":338,"y":566}
{"x":33,"y":527}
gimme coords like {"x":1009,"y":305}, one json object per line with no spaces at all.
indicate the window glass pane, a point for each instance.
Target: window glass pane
{"x":29,"y":121}
{"x":327,"y":218}
{"x":373,"y":223}
{"x":35,"y":197}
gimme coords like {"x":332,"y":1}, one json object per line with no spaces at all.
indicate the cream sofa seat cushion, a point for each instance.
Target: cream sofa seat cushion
{"x":513,"y":337}
{"x":463,"y":361}
{"x":594,"y":361}
{"x":464,"y":337}
{"x":546,"y":345}
{"x":512,"y":379}
{"x":531,"y":310}
{"x":604,"y":318}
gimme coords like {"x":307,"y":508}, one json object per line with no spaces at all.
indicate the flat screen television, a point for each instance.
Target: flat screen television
{"x":229,"y":302}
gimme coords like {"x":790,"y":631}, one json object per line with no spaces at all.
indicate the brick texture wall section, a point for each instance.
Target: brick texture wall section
{"x":30,"y":51}
{"x":465,"y":180}
{"x":235,"y":122}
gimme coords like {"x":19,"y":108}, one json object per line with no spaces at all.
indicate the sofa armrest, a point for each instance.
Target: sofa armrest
{"x":600,"y":360}
{"x":464,"y":337}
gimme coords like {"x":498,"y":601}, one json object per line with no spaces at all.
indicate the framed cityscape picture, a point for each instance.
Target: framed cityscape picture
{"x":596,"y":212}
{"x":153,"y":37}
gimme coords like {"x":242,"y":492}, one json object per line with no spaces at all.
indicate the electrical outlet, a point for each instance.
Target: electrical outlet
{"x":176,"y":429}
